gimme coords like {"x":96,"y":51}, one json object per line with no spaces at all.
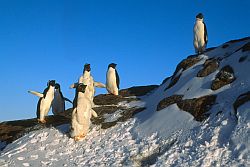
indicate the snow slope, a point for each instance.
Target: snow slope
{"x":169,"y":137}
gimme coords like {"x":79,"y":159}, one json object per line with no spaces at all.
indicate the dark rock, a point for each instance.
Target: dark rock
{"x":224,"y":77}
{"x":209,"y":49}
{"x":165,"y":80}
{"x":198,"y":107}
{"x":184,"y":64}
{"x":109,"y":99}
{"x":210,"y":66}
{"x":225,"y":46}
{"x":238,"y":40}
{"x":137,"y":90}
{"x":12,"y":130}
{"x":242,"y":59}
{"x":242,"y":99}
{"x":246,"y":47}
{"x":168,"y":101}
{"x":126,"y":114}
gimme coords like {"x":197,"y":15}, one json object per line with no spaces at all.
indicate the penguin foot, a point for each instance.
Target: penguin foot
{"x":79,"y":138}
{"x":41,"y":121}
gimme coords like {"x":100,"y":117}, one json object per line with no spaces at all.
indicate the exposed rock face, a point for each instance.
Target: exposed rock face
{"x":246,"y":47}
{"x":184,"y":64}
{"x":124,"y":113}
{"x":242,"y":99}
{"x":238,"y":40}
{"x":12,"y":130}
{"x":242,"y":59}
{"x":137,"y":90}
{"x":198,"y":107}
{"x":169,"y":101}
{"x":224,"y":77}
{"x":210,"y":66}
{"x":109,"y":99}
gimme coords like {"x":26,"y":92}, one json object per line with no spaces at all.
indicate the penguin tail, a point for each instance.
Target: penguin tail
{"x":38,"y":94}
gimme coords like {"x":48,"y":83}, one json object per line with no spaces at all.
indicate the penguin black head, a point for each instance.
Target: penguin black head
{"x":87,"y":67}
{"x":51,"y":83}
{"x":81,"y":87}
{"x":113,"y":65}
{"x":199,"y":16}
{"x":57,"y":86}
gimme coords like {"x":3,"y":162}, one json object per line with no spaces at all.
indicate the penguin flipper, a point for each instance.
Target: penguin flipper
{"x":94,"y":114}
{"x":99,"y":85}
{"x":66,"y":99}
{"x":74,"y":85}
{"x":38,"y":94}
{"x":117,"y":79}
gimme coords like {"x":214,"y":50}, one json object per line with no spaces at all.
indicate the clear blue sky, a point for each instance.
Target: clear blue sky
{"x":53,"y":39}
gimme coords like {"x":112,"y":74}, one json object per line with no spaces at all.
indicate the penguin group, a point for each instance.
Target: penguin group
{"x":85,"y":89}
{"x":83,"y":103}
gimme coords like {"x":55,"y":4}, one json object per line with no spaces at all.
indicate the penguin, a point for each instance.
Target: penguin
{"x":45,"y":101}
{"x":58,"y":104}
{"x":112,"y":79}
{"x":81,"y":114}
{"x":200,"y":34}
{"x":87,"y":79}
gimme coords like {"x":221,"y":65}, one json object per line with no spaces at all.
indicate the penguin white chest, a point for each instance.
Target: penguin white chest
{"x":199,"y":41}
{"x":111,"y":84}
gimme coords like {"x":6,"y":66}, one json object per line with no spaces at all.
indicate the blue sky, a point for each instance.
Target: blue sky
{"x":53,"y":39}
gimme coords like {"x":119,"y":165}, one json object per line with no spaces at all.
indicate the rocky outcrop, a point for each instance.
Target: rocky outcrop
{"x":183,"y":65}
{"x":103,"y":112}
{"x":198,"y":107}
{"x":137,"y":90}
{"x":246,"y":47}
{"x":242,"y":59}
{"x":210,"y":66}
{"x":224,"y":77}
{"x":169,"y":101}
{"x":12,"y":130}
{"x":242,"y":99}
{"x":238,"y":40}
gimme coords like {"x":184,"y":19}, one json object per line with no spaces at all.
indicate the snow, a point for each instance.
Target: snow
{"x":169,"y":137}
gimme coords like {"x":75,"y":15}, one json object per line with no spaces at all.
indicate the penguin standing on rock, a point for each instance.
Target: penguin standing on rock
{"x":81,"y":113}
{"x":200,"y":34}
{"x":112,"y":80}
{"x":44,"y":103}
{"x":58,"y":104}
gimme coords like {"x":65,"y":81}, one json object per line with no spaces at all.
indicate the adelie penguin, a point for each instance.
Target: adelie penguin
{"x":81,"y":114}
{"x":200,"y":34}
{"x":112,"y":80}
{"x":58,"y":104}
{"x":45,"y":101}
{"x":87,"y":79}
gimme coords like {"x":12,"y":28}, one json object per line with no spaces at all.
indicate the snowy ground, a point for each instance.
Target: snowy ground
{"x":170,"y":137}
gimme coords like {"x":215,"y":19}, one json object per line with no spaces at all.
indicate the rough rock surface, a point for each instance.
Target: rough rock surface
{"x":224,"y":77}
{"x":198,"y":107}
{"x":210,"y":66}
{"x":11,"y":130}
{"x":242,"y":99}
{"x":169,"y":101}
{"x":137,"y":90}
{"x":184,"y":64}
